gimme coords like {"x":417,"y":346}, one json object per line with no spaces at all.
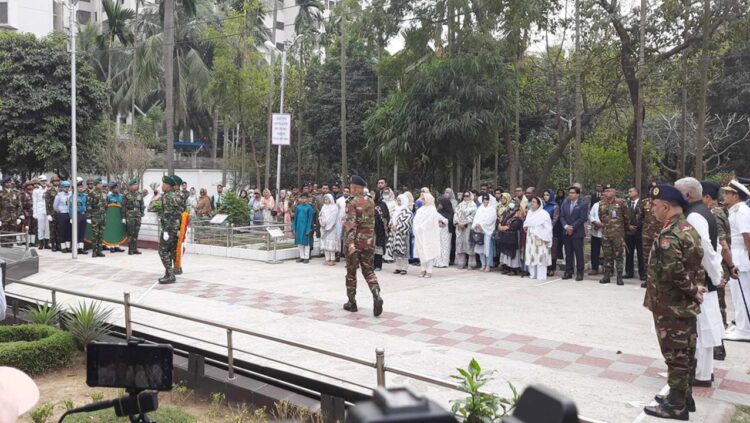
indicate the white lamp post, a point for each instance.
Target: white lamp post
{"x":73,"y":147}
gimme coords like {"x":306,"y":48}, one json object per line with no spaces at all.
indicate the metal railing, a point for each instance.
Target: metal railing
{"x":379,"y":364}
{"x":11,"y":239}
{"x":229,"y":236}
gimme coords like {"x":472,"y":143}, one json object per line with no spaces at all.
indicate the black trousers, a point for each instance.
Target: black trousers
{"x":596,"y":252}
{"x":573,"y":248}
{"x":633,"y":243}
{"x":63,"y":227}
{"x":81,"y":228}
{"x":378,"y":261}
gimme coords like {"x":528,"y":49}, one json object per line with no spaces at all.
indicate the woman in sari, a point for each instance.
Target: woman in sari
{"x":329,"y":237}
{"x":445,"y":208}
{"x":400,"y":228}
{"x":462,"y":220}
{"x":427,"y":224}
{"x":551,"y":207}
{"x":508,"y":239}
{"x":267,"y":204}
{"x":538,"y":225}
{"x":389,"y":198}
{"x":484,"y":225}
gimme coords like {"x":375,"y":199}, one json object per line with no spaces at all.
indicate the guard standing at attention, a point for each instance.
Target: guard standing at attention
{"x":132,"y":204}
{"x":674,"y":294}
{"x":97,"y":214}
{"x":169,"y":218}
{"x":359,"y":239}
{"x":612,"y":214}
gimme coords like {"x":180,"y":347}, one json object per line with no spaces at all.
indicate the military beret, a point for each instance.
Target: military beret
{"x":65,"y":184}
{"x":742,"y":180}
{"x":668,"y":193}
{"x":54,"y":178}
{"x":358,"y":180}
{"x":7,"y":179}
{"x":167,"y":180}
{"x":176,"y":180}
{"x":90,"y":181}
{"x":711,"y":189}
{"x":97,"y":181}
{"x":738,"y":188}
{"x":609,"y":186}
{"x":114,"y":184}
{"x":133,"y":181}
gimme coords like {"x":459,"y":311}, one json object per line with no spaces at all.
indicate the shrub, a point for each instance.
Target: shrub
{"x":87,"y":322}
{"x":162,"y":415}
{"x":43,"y":314}
{"x":237,"y":209}
{"x":480,"y":406}
{"x":35,"y":349}
{"x":42,"y":413}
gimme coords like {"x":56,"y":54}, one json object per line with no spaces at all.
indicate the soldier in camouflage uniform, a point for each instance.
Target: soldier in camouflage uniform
{"x":651,"y":227}
{"x":724,"y":237}
{"x":134,"y":208}
{"x":49,"y":202}
{"x":614,"y":218}
{"x":359,"y":236}
{"x":674,"y":293}
{"x":169,"y":219}
{"x":96,"y":204}
{"x":11,"y":209}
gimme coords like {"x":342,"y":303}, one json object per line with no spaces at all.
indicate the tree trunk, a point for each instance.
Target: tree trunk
{"x":344,"y":164}
{"x":578,"y":167}
{"x":700,"y":130}
{"x":225,"y":153}
{"x":299,"y":154}
{"x":168,"y":58}
{"x":257,"y":163}
{"x":272,"y":91}
{"x":682,"y":159}
{"x":215,"y":136}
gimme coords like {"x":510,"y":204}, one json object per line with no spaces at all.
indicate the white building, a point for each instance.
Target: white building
{"x":287,"y":11}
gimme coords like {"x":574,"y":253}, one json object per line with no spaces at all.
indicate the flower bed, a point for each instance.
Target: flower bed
{"x":35,"y":349}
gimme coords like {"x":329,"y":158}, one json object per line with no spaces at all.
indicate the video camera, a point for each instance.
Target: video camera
{"x":142,"y":369}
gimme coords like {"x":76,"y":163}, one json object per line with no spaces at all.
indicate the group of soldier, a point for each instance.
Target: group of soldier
{"x":44,"y":207}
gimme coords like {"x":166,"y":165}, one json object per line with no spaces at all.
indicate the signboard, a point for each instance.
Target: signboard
{"x":281,"y":129}
{"x":218,"y":219}
{"x":275,"y":232}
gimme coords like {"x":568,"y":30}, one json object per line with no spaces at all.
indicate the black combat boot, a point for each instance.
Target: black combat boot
{"x":97,"y":253}
{"x":377,"y":302}
{"x":643,"y":284}
{"x":178,"y":270}
{"x":605,"y":279}
{"x":167,"y":278}
{"x":720,"y":353}
{"x":351,"y":305}
{"x":619,"y":279}
{"x":136,"y":251}
{"x":690,"y":402}
{"x":82,"y":252}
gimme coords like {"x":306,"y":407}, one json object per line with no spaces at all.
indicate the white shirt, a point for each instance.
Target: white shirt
{"x":594,"y":218}
{"x":739,"y":223}
{"x":711,"y":259}
{"x":39,"y":205}
{"x":341,"y":203}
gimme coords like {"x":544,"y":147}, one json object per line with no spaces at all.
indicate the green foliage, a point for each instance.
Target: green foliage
{"x":480,"y":406}
{"x":42,"y":413}
{"x":43,"y":314}
{"x":35,"y":349}
{"x":165,"y":414}
{"x":237,"y":209}
{"x":68,"y":405}
{"x":610,"y":154}
{"x":97,"y":396}
{"x":35,"y":106}
{"x":87,"y":322}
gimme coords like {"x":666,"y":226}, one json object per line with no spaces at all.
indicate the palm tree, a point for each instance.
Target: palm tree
{"x":118,"y":19}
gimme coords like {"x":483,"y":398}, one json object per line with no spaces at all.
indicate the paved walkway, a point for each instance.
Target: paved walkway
{"x":593,"y":343}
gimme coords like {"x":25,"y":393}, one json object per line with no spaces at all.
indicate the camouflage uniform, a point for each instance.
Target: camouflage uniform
{"x":724,"y":234}
{"x":96,"y":204}
{"x":169,"y":218}
{"x":11,"y":209}
{"x":359,"y":235}
{"x":132,"y":203}
{"x":674,"y":276}
{"x":49,"y":201}
{"x":651,"y":228}
{"x":612,"y":214}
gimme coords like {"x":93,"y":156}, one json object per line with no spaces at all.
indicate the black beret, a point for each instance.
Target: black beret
{"x":711,"y":189}
{"x":358,"y":180}
{"x":742,"y":180}
{"x":609,"y":186}
{"x":7,"y":179}
{"x":668,"y":193}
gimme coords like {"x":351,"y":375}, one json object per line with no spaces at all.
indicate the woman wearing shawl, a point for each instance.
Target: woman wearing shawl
{"x":508,"y":239}
{"x":502,"y":208}
{"x":427,"y":224}
{"x":283,"y":209}
{"x":538,"y":225}
{"x":382,"y":217}
{"x":462,"y":219}
{"x":450,"y":195}
{"x":267,"y":204}
{"x":484,"y":222}
{"x":551,"y":207}
{"x":389,"y":198}
{"x":400,"y":228}
{"x":445,"y":208}
{"x":329,"y":215}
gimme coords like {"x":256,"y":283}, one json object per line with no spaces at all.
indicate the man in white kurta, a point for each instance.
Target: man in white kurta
{"x":710,"y":326}
{"x":735,"y":195}
{"x":39,"y":212}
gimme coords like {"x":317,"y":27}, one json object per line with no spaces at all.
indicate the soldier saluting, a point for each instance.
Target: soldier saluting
{"x":674,"y":293}
{"x":359,"y":241}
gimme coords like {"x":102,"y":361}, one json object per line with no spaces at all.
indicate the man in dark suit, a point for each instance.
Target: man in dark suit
{"x":573,"y":216}
{"x":633,"y":235}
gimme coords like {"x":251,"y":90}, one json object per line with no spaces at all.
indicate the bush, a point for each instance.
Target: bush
{"x":479,"y":406}
{"x":35,"y":349}
{"x":162,"y":415}
{"x":43,"y":314}
{"x":87,"y":322}
{"x":237,"y":208}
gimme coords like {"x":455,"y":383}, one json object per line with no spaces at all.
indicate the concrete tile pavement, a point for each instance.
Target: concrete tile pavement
{"x":436,"y":320}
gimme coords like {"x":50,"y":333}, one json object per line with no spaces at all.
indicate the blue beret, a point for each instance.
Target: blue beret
{"x":668,"y":193}
{"x":7,"y":179}
{"x":65,"y":184}
{"x":358,"y":180}
{"x":711,"y":189}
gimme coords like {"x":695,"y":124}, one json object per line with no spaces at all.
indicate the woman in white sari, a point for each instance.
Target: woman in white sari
{"x":538,"y":253}
{"x":427,"y":223}
{"x":329,"y":241}
{"x":463,"y":218}
{"x":484,"y":223}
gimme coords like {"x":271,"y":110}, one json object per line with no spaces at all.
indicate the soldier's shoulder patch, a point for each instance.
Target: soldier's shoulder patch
{"x":665,"y":243}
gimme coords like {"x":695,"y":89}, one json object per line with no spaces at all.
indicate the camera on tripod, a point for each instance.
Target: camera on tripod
{"x":141,"y":369}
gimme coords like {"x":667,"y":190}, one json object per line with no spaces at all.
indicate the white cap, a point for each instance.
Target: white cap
{"x":42,"y":178}
{"x":79,"y":179}
{"x":18,"y":394}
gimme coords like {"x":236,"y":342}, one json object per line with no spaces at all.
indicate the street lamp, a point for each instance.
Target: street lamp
{"x":73,"y":147}
{"x":270,"y":46}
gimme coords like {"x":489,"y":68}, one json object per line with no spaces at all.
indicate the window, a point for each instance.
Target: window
{"x":83,"y":17}
{"x":280,"y":46}
{"x":279,"y":25}
{"x":3,"y":13}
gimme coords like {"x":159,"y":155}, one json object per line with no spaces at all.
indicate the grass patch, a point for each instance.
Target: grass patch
{"x":742,"y":415}
{"x":162,"y":415}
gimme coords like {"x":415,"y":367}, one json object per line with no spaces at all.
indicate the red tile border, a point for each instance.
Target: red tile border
{"x":481,"y":340}
{"x":620,"y":376}
{"x":552,"y":363}
{"x":533,"y":349}
{"x":435,"y":331}
{"x":498,"y":352}
{"x":635,"y":359}
{"x":444,"y":341}
{"x":426,"y":322}
{"x":735,"y":386}
{"x":654,"y":372}
{"x":398,"y":332}
{"x":392,"y":323}
{"x":578,"y":349}
{"x":514,"y":337}
{"x":471,"y":330}
{"x":594,"y":361}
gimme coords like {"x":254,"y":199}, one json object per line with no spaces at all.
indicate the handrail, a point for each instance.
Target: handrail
{"x":378,"y":364}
